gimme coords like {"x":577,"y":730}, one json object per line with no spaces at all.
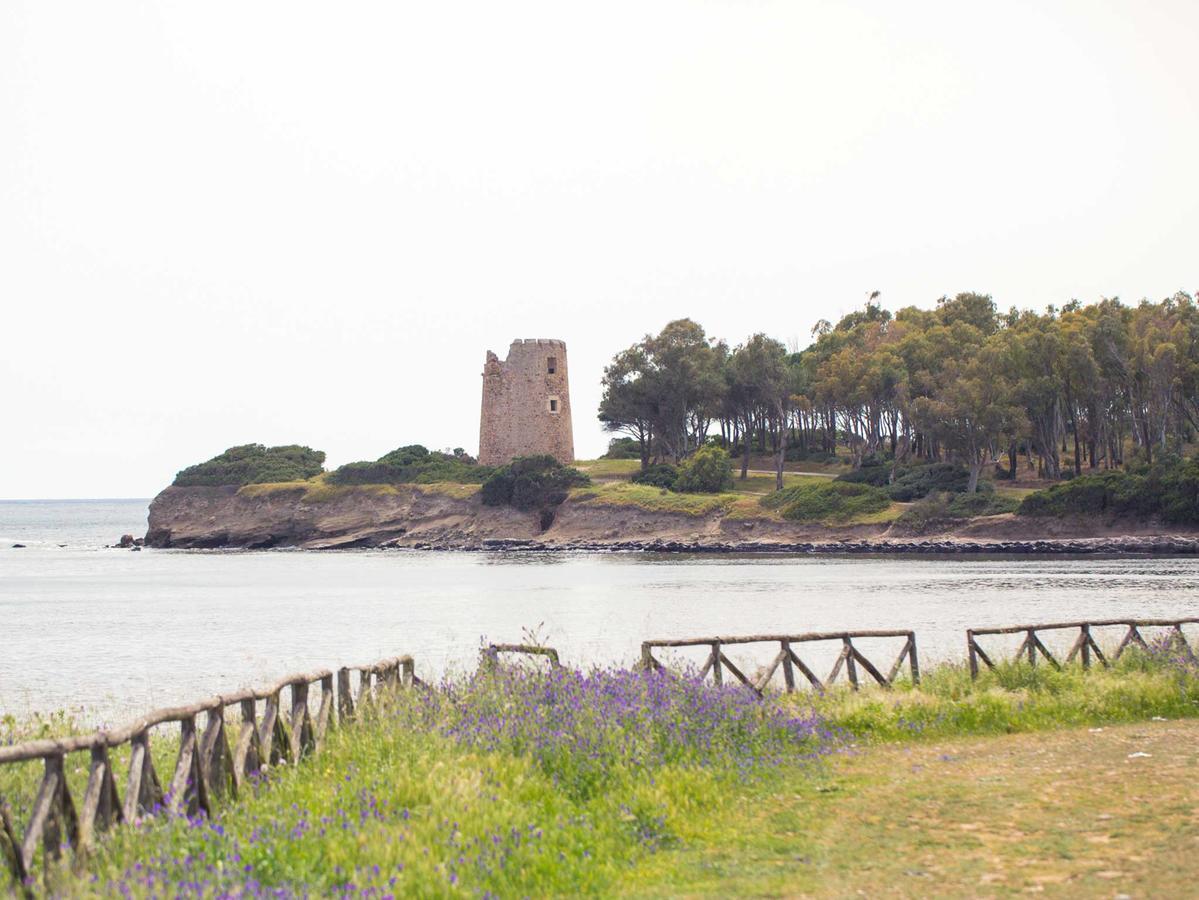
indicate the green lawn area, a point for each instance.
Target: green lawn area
{"x":764,"y":484}
{"x":608,"y":468}
{"x":1015,"y":493}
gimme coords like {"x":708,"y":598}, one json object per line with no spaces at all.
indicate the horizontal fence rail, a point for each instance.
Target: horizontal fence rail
{"x":215,"y":760}
{"x":1085,"y":646}
{"x":387,"y":673}
{"x":489,"y":656}
{"x":789,"y":660}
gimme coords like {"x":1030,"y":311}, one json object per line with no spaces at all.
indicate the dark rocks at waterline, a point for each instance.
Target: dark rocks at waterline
{"x":129,"y":542}
{"x":395,"y":540}
{"x":1171,"y":546}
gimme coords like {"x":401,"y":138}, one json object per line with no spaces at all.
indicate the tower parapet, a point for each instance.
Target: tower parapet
{"x":526,"y":403}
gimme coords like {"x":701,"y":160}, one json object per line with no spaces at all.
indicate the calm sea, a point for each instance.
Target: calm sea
{"x":111,"y":632}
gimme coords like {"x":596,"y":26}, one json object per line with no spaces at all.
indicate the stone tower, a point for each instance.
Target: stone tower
{"x":526,"y":404}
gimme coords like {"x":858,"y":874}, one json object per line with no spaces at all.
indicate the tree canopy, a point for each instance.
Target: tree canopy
{"x":1061,"y":390}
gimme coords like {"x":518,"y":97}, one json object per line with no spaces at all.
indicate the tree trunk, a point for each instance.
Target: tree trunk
{"x":976,"y":467}
{"x":745,"y":455}
{"x":780,"y":457}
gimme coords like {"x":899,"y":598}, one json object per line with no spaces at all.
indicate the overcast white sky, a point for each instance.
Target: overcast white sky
{"x":295,"y":223}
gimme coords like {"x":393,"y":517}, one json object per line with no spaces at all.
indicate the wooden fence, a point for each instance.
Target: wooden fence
{"x":490,"y":655}
{"x":848,"y":659}
{"x":211,"y":765}
{"x":1084,"y":646}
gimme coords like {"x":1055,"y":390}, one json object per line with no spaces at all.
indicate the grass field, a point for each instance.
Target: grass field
{"x":626,"y":783}
{"x":741,"y":503}
{"x":608,"y":468}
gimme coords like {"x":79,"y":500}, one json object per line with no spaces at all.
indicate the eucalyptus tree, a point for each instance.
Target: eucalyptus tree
{"x":664,"y":390}
{"x":626,"y":406}
{"x":759,"y":388}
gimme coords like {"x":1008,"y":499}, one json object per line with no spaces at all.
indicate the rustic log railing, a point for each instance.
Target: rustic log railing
{"x":387,"y":673}
{"x":1085,"y":645}
{"x":489,"y":656}
{"x":848,"y":659}
{"x":215,"y":760}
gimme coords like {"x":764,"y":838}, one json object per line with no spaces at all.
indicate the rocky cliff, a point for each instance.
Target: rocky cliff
{"x":208,"y":517}
{"x":430,"y":517}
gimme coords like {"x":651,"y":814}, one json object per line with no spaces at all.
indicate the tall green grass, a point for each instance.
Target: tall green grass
{"x":1014,"y":697}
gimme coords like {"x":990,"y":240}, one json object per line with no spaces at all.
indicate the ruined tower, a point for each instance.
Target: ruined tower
{"x":526,"y":404}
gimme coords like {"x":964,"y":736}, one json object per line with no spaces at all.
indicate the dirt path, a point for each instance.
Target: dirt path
{"x":1110,"y":812}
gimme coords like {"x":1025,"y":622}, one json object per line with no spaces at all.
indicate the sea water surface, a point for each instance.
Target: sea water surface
{"x":109,"y":633}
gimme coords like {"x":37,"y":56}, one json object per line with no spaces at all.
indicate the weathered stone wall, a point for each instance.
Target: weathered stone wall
{"x":526,"y":406}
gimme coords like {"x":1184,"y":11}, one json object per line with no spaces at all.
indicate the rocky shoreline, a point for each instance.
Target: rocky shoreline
{"x":1158,"y":546}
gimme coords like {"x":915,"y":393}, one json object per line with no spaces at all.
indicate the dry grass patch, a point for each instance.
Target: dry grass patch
{"x":1088,"y":812}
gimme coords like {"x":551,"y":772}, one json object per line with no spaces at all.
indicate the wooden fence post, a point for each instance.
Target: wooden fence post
{"x":913,"y":659}
{"x":345,"y":695}
{"x":788,"y":668}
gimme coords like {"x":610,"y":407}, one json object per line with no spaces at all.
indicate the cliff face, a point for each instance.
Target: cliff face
{"x":206,"y":517}
{"x":416,"y":517}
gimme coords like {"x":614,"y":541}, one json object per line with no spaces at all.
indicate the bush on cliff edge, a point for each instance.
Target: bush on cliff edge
{"x":414,"y":464}
{"x":531,"y":482}
{"x":254,"y":464}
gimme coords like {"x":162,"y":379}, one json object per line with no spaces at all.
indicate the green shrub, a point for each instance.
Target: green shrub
{"x":412,"y":454}
{"x":830,"y":501}
{"x":663,"y":476}
{"x":981,"y":504}
{"x":928,"y":514}
{"x":531,"y":482}
{"x":878,"y":475}
{"x":706,"y":471}
{"x":254,"y":464}
{"x":920,"y":481}
{"x":413,"y":464}
{"x":1169,"y":489}
{"x":913,"y":482}
{"x":623,"y":448}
